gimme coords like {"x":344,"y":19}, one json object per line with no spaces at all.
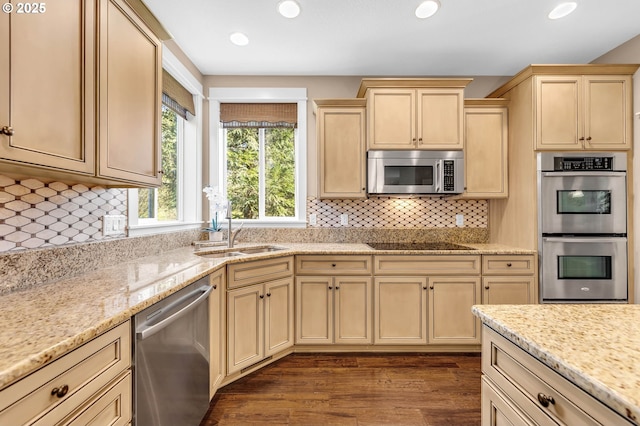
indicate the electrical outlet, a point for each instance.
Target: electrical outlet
{"x":459,"y":220}
{"x":344,"y":219}
{"x":313,"y":219}
{"x":113,"y":224}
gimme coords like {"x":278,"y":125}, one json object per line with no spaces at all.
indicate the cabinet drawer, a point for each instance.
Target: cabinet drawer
{"x":333,"y":265}
{"x":84,"y":371}
{"x":112,"y":406}
{"x":526,"y":380}
{"x":240,"y":274}
{"x":427,"y":265}
{"x":508,"y":265}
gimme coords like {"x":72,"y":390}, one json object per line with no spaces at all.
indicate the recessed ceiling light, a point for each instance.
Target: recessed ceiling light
{"x":427,"y":8}
{"x":562,"y":10}
{"x":289,"y":8}
{"x":239,"y":39}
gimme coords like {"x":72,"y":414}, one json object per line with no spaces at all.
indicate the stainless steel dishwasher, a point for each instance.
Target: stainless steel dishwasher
{"x":171,"y":359}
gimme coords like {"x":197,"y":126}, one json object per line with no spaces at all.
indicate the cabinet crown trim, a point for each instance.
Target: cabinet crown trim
{"x":564,"y":69}
{"x":415,"y":83}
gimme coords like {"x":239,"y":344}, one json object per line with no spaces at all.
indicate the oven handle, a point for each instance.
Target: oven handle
{"x":148,"y":331}
{"x":572,"y":174}
{"x":583,"y":239}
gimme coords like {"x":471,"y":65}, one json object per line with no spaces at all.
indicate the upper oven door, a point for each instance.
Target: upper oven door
{"x":402,"y":176}
{"x":583,"y":202}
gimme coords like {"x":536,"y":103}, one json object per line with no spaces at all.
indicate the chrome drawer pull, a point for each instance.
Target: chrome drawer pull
{"x":60,"y":392}
{"x":545,"y":400}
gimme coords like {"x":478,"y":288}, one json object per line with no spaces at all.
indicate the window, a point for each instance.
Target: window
{"x":260,"y":161}
{"x":177,"y":204}
{"x":161,"y":204}
{"x":258,"y":153}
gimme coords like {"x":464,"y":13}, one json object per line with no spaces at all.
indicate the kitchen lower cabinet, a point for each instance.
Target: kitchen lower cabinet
{"x":333,"y":310}
{"x":259,"y":322}
{"x":400,"y":310}
{"x":89,"y":385}
{"x":509,"y":279}
{"x":519,"y":389}
{"x":450,"y":317}
{"x":217,"y":330}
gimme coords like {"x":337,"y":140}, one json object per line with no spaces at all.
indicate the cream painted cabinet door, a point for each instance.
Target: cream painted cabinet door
{"x":558,"y":112}
{"x":485,"y":152}
{"x":450,"y":317}
{"x":607,"y":112}
{"x":129,"y":97}
{"x":217,"y":328}
{"x":440,"y":118}
{"x":245,"y":324}
{"x":314,"y":310}
{"x":391,"y":118}
{"x":278,"y":312}
{"x":515,"y":290}
{"x":353,"y":302}
{"x":341,"y":151}
{"x":583,"y":112}
{"x":400,"y":310}
{"x":47,"y":87}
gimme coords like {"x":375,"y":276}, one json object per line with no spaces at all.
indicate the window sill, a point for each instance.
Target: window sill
{"x":162,"y":227}
{"x":266,"y":223}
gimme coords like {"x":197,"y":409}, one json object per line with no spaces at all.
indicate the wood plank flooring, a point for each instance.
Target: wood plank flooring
{"x":354,"y":389}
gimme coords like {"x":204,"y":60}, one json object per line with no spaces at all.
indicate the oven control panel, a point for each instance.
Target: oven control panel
{"x":582,"y":163}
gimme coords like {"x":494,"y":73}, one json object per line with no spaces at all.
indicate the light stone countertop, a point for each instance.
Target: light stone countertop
{"x":594,"y":346}
{"x":43,"y":322}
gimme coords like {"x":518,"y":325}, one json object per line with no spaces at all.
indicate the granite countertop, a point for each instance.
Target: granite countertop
{"x":594,"y":346}
{"x":41,"y":323}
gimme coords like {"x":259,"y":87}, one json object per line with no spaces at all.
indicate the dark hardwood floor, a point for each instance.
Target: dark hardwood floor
{"x":354,"y":389}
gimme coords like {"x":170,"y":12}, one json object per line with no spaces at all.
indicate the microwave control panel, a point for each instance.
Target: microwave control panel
{"x":582,"y":163}
{"x":448,"y":172}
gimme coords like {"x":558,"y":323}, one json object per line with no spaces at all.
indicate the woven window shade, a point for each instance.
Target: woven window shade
{"x":179,"y":98}
{"x":259,"y":115}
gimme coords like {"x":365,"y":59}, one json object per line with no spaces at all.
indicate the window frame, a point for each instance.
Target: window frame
{"x":189,"y":155}
{"x":217,"y":154}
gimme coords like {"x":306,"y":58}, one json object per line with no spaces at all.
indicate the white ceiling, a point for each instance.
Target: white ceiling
{"x":384,"y":38}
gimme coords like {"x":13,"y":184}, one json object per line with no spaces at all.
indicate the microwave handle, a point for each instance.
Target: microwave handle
{"x":438,"y":177}
{"x":583,"y":239}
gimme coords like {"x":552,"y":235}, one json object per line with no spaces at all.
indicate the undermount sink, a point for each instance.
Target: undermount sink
{"x":241,"y":251}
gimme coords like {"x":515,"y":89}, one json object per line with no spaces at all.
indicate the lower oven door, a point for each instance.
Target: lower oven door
{"x":581,"y":269}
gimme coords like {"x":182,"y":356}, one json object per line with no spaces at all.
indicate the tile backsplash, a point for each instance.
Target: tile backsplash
{"x":398,"y":213}
{"x":35,"y":214}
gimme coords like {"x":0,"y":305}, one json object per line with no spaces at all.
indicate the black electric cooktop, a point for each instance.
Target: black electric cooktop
{"x":418,"y":246}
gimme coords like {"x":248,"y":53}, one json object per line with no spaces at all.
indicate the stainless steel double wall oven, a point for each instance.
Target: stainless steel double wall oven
{"x":583,"y":227}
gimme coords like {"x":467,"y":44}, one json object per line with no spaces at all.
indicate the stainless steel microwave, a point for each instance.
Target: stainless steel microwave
{"x":415,"y":172}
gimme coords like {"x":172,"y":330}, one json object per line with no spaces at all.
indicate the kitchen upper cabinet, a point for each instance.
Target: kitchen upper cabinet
{"x":80,"y":93}
{"x":47,"y":88}
{"x":485,"y":149}
{"x":583,"y":112}
{"x":130,"y":88}
{"x":340,"y":125}
{"x":414,"y":113}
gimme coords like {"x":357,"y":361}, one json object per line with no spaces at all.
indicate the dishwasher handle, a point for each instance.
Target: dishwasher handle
{"x":145,"y":331}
